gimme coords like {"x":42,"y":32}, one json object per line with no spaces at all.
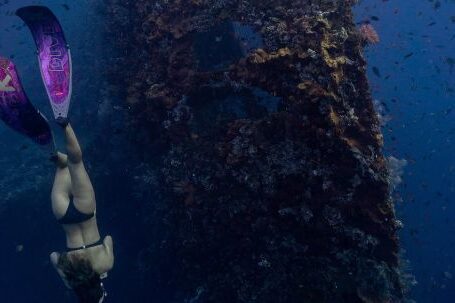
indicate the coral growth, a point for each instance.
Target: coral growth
{"x":272,"y":184}
{"x":369,"y":34}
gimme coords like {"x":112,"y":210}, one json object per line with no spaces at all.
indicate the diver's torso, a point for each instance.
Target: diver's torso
{"x":82,"y":234}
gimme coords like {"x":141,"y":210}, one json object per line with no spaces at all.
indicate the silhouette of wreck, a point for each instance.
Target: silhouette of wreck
{"x":270,"y":183}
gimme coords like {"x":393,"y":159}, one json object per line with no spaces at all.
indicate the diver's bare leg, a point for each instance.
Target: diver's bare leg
{"x":72,"y":146}
{"x":82,"y":189}
{"x":61,"y":189}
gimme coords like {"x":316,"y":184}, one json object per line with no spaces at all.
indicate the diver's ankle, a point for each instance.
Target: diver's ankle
{"x":62,"y":122}
{"x":54,"y":158}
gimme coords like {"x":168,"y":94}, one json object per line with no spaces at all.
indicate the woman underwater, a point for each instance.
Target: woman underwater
{"x":88,"y":257}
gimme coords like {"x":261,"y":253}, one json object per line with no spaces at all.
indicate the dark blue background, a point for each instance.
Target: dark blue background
{"x":420,"y":96}
{"x":417,"y":91}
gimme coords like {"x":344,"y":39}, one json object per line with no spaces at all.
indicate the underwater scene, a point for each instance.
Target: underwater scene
{"x":199,"y":151}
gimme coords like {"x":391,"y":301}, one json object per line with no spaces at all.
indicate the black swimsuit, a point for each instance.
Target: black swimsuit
{"x":99,"y":242}
{"x":74,"y":216}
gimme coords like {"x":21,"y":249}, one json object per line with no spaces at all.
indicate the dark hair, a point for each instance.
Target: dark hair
{"x":81,"y":277}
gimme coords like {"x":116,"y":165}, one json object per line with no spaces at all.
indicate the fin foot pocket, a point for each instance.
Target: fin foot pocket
{"x":62,"y":122}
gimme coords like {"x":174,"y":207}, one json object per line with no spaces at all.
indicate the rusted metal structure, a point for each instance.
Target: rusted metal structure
{"x":257,"y":114}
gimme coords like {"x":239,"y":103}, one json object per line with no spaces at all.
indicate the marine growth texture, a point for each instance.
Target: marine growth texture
{"x":271,"y":185}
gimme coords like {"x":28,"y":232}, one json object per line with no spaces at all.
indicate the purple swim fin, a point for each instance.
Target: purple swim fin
{"x":16,"y":110}
{"x":53,"y":54}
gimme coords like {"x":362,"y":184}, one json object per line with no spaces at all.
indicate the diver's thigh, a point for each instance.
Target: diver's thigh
{"x":62,"y":181}
{"x":81,"y":187}
{"x":60,"y":201}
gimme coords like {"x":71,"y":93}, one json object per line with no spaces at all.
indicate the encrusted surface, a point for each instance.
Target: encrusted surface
{"x":266,"y":151}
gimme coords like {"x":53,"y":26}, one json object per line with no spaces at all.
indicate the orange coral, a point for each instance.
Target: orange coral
{"x":369,"y":34}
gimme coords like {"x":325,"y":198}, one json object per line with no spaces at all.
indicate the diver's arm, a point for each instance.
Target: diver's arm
{"x":109,"y":246}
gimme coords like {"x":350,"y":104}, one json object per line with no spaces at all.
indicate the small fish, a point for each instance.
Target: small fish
{"x":386,"y":108}
{"x":408,"y":55}
{"x":438,"y":69}
{"x":376,"y":71}
{"x":437,"y":4}
{"x":374,"y":18}
{"x":451,"y":62}
{"x":66,"y":6}
{"x":432,"y":23}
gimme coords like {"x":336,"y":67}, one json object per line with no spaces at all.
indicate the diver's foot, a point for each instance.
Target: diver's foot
{"x":62,"y":122}
{"x":60,"y":159}
{"x":53,"y":158}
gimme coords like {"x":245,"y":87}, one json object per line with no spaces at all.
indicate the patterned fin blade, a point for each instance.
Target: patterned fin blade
{"x":53,"y":54}
{"x":16,"y":110}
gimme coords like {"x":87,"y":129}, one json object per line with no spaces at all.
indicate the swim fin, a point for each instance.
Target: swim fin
{"x":16,"y":110}
{"x":53,"y":54}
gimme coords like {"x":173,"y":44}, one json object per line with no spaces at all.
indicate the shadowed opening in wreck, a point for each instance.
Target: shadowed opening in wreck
{"x":224,"y":44}
{"x":225,"y":103}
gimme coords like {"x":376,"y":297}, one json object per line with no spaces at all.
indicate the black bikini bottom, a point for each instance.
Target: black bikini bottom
{"x":99,"y":242}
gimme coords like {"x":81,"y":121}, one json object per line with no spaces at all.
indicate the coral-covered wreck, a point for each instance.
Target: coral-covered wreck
{"x":271,"y":185}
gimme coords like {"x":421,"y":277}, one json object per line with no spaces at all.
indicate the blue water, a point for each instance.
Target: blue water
{"x":28,"y":230}
{"x":420,"y":96}
{"x":417,"y":92}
